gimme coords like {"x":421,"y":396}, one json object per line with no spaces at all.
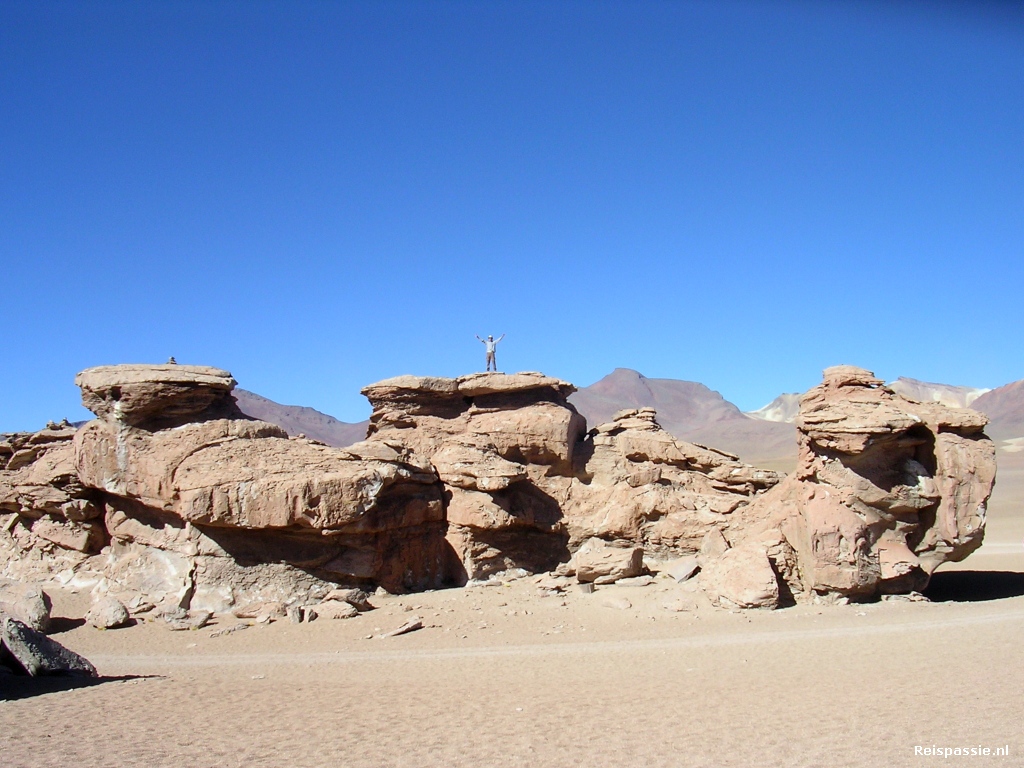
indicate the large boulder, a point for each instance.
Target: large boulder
{"x":158,"y":396}
{"x":887,"y":490}
{"x":601,"y":561}
{"x":26,"y":603}
{"x":108,"y":613}
{"x":742,"y":577}
{"x":34,"y":653}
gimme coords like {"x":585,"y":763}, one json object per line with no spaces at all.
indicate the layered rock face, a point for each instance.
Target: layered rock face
{"x":50,"y":520}
{"x":887,"y":490}
{"x":204,"y":507}
{"x":502,"y":446}
{"x":636,"y":482}
{"x":525,"y":483}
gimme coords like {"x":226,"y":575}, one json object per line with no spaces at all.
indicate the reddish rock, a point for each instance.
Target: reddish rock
{"x":887,"y":490}
{"x":158,"y":396}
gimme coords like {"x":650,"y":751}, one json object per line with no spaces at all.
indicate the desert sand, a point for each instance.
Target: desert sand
{"x":501,"y":675}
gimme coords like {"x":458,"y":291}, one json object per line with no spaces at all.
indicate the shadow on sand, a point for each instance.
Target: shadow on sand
{"x":13,"y":687}
{"x":974,"y":586}
{"x":60,"y":624}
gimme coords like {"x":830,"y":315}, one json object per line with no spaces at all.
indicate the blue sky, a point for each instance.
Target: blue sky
{"x":316,"y":196}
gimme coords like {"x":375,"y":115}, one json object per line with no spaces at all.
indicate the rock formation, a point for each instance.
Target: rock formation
{"x":500,"y":445}
{"x":173,"y":498}
{"x":887,"y":490}
{"x":525,"y":483}
{"x":638,"y":483}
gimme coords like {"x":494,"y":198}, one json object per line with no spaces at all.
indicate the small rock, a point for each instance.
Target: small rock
{"x":258,"y":609}
{"x":229,"y":630}
{"x":912,"y":597}
{"x":336,"y":609}
{"x":512,"y":574}
{"x":550,"y":583}
{"x":635,"y":581}
{"x":357,"y":598}
{"x":295,"y":614}
{"x":680,"y":605}
{"x":107,"y":613}
{"x":179,"y":620}
{"x":682,"y":569}
{"x":587,"y":588}
{"x":410,"y":626}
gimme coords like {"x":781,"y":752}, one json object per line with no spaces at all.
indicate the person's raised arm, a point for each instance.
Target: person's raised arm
{"x":480,"y":340}
{"x":499,"y":338}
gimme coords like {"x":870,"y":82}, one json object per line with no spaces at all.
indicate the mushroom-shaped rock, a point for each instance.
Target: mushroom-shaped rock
{"x":886,"y":490}
{"x":158,"y":396}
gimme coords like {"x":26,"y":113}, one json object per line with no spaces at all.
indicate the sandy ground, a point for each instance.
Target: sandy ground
{"x":502,"y":676}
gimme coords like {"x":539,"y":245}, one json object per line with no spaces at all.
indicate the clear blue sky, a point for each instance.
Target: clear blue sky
{"x":316,"y":196}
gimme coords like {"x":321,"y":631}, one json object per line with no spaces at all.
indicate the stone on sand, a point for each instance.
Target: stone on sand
{"x":598,"y":559}
{"x":107,"y":613}
{"x":38,"y":654}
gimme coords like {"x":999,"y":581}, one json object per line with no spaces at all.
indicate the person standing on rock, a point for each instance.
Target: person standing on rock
{"x":492,"y":344}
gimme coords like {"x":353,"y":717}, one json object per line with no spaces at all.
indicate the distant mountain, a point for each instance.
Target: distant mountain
{"x":783,"y":408}
{"x":300,"y":420}
{"x":692,"y":412}
{"x":1005,"y":407}
{"x":947,"y":394}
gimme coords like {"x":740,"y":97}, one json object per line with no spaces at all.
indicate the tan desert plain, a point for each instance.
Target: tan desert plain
{"x":576,"y":592}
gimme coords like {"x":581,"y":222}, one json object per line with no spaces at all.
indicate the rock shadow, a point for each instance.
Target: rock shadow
{"x":61,"y":624}
{"x":14,"y":687}
{"x":974,"y":586}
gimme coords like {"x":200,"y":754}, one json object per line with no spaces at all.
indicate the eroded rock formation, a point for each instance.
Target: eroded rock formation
{"x":887,"y":490}
{"x":174,"y":497}
{"x":502,"y":446}
{"x":525,"y":483}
